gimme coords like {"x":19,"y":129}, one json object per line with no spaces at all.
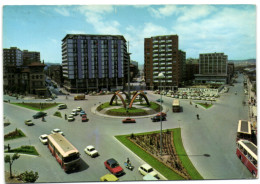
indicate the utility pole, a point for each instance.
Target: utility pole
{"x":128,"y":72}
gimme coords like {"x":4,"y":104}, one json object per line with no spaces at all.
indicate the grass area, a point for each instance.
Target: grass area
{"x":37,"y":106}
{"x":17,"y":133}
{"x":24,"y":150}
{"x":160,"y":167}
{"x":205,"y":105}
{"x":153,"y":106}
{"x":130,"y":112}
{"x":58,"y":114}
{"x":187,"y":164}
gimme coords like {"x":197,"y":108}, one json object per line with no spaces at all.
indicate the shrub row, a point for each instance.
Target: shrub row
{"x":114,"y":113}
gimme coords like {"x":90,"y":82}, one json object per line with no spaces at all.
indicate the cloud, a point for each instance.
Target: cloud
{"x":95,"y":15}
{"x":62,"y":10}
{"x":164,"y":11}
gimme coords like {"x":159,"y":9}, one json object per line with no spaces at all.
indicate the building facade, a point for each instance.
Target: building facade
{"x":12,"y":57}
{"x":162,"y":54}
{"x":212,"y":68}
{"x":94,"y":62}
{"x":31,"y":57}
{"x":192,"y":68}
{"x":23,"y":72}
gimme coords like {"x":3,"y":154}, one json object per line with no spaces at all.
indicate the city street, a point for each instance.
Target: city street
{"x":209,"y":142}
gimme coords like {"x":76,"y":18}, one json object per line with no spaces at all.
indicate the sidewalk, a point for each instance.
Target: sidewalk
{"x":102,"y":112}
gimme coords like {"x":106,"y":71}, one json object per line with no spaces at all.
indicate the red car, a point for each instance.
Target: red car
{"x":84,"y":118}
{"x":163,"y":114}
{"x":113,"y":166}
{"x":128,"y":120}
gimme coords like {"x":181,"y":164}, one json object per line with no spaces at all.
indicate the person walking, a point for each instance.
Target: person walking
{"x":198,"y":117}
{"x":65,"y":116}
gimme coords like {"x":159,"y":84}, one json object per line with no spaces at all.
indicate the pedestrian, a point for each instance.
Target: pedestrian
{"x":65,"y":116}
{"x":8,"y":147}
{"x":43,"y":118}
{"x":198,"y":117}
{"x":196,"y":106}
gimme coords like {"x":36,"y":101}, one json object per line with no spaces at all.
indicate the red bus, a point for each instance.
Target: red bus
{"x":64,"y":152}
{"x":244,"y":130}
{"x":247,"y":153}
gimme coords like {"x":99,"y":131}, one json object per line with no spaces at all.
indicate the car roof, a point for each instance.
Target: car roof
{"x":146,"y":166}
{"x":44,"y":135}
{"x":90,"y":146}
{"x":56,"y":129}
{"x":111,"y":161}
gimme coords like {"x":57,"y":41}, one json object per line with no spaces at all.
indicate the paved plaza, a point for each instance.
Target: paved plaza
{"x":209,"y":142}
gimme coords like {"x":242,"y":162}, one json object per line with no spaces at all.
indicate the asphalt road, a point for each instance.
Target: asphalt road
{"x":214,"y":135}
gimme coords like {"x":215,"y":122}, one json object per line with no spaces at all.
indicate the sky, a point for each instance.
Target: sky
{"x":203,"y":28}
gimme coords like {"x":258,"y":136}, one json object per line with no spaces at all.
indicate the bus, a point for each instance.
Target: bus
{"x":64,"y":152}
{"x":79,"y":97}
{"x":247,"y":153}
{"x":176,"y":106}
{"x":244,"y":130}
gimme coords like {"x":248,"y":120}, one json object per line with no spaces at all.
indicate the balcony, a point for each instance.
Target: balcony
{"x":155,"y":50}
{"x":155,"y":41}
{"x":169,"y":41}
{"x":162,"y":41}
{"x":162,"y":50}
{"x":155,"y":55}
{"x":155,"y":46}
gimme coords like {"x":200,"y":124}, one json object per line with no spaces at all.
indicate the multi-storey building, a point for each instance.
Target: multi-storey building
{"x":212,"y":68}
{"x":94,"y":62}
{"x":30,"y":57}
{"x":192,"y":68}
{"x":162,"y":54}
{"x":13,"y":57}
{"x":23,"y":72}
{"x":55,"y":73}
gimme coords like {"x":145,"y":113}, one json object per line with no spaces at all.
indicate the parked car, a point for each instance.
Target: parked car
{"x":84,"y":118}
{"x":113,"y":166}
{"x":62,"y":106}
{"x":39,"y":115}
{"x":71,"y":118}
{"x":74,"y":112}
{"x":158,"y":118}
{"x":48,"y":99}
{"x":43,"y":138}
{"x":91,"y":151}
{"x":163,"y":114}
{"x":128,"y":120}
{"x":109,"y":177}
{"x":79,"y":109}
{"x":82,"y":113}
{"x":147,"y":169}
{"x":149,"y":177}
{"x":56,"y":130}
{"x":159,"y":100}
{"x":28,"y":122}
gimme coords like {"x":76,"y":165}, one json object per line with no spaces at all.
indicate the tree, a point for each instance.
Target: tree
{"x":10,"y":160}
{"x":29,"y":177}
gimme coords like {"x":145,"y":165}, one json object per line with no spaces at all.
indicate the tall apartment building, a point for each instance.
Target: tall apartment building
{"x":13,"y":57}
{"x":212,"y":68}
{"x":30,"y":57}
{"x":94,"y":62}
{"x":162,"y":54}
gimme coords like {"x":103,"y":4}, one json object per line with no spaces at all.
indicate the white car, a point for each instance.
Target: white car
{"x":74,"y":112}
{"x":91,"y":151}
{"x":56,"y":130}
{"x":78,"y":109}
{"x":71,"y":118}
{"x":48,"y":99}
{"x":43,"y":138}
{"x":147,"y":169}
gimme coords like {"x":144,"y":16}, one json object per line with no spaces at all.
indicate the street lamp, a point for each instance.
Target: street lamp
{"x":161,"y":76}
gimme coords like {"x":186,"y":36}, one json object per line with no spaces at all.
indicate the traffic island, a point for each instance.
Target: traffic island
{"x":17,"y":133}
{"x":137,"y":109}
{"x":30,"y":150}
{"x":174,"y":163}
{"x":205,"y":105}
{"x":37,"y":106}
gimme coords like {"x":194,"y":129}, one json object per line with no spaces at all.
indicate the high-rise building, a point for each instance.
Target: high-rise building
{"x":162,"y":54}
{"x":13,"y":57}
{"x":30,"y":57}
{"x":94,"y":62}
{"x":212,"y":68}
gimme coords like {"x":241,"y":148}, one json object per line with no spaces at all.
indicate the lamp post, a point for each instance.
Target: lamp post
{"x":161,"y":76}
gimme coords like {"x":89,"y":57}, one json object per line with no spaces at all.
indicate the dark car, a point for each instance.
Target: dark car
{"x":128,"y":120}
{"x":157,"y":118}
{"x":163,"y":114}
{"x":159,"y":100}
{"x":39,"y":115}
{"x":113,"y":166}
